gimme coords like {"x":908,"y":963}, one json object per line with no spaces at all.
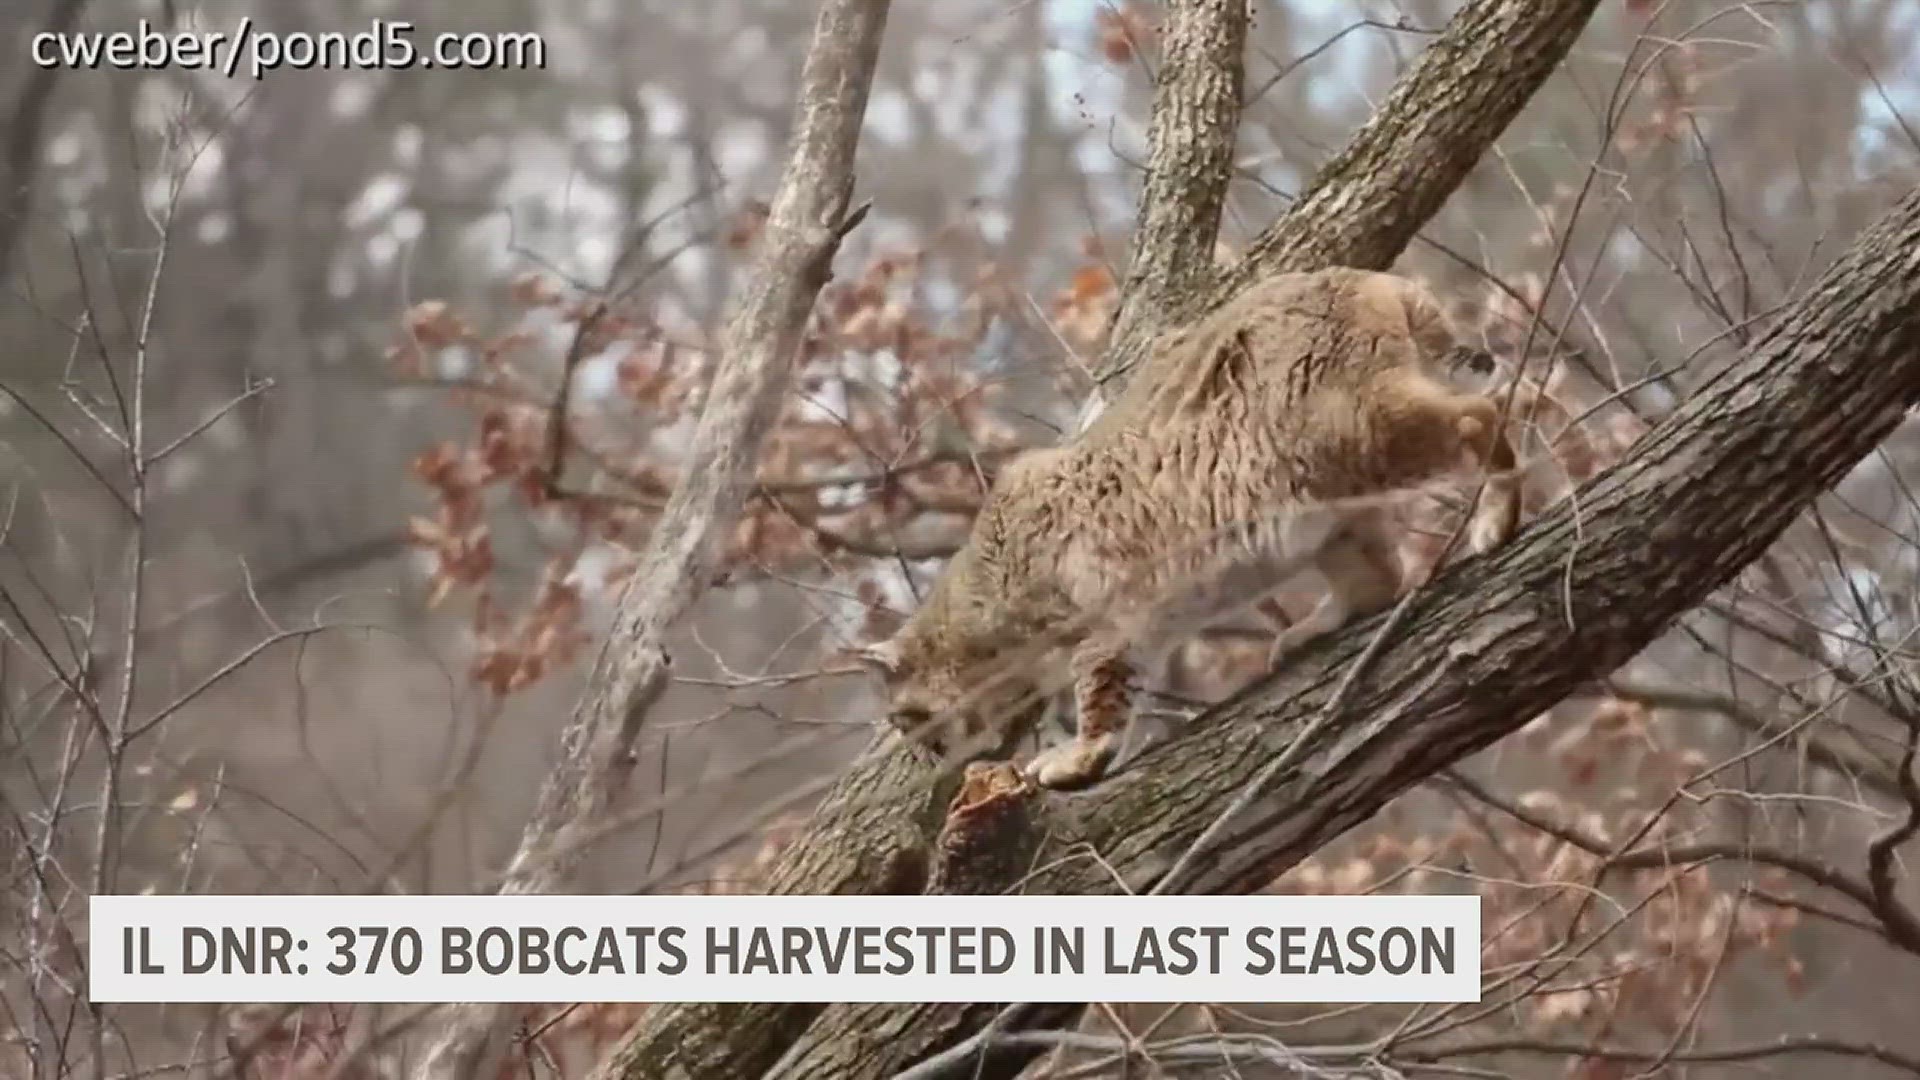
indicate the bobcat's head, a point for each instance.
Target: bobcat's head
{"x":955,"y":698}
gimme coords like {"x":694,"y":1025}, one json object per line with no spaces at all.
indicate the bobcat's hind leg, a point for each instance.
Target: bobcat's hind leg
{"x":1497,"y":514}
{"x":1427,"y":429}
{"x":1100,"y":674}
{"x":1363,"y":575}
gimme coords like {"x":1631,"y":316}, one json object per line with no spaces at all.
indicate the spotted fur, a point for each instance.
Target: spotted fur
{"x":1263,"y":431}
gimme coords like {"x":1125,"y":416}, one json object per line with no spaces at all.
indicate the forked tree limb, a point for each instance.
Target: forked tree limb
{"x":1365,"y":205}
{"x":811,"y":213}
{"x":874,"y":831}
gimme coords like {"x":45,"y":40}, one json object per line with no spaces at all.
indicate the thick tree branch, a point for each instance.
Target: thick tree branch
{"x":882,"y":816}
{"x":809,"y":217}
{"x":1496,"y":640}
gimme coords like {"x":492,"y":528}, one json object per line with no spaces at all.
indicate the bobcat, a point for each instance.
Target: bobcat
{"x":1293,"y":402}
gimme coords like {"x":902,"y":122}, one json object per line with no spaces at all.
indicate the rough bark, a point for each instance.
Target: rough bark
{"x":880,"y":819}
{"x":1491,"y":644}
{"x":1191,"y":140}
{"x":809,"y":217}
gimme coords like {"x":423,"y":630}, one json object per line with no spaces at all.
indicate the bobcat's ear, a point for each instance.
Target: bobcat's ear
{"x":881,"y":657}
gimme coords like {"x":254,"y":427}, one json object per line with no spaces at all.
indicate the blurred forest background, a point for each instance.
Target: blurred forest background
{"x":297,"y":578}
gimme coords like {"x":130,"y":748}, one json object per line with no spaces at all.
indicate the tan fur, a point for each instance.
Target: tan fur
{"x":1306,"y":389}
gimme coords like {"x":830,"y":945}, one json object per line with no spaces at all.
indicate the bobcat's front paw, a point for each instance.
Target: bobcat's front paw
{"x":1294,"y":639}
{"x":1072,"y":765}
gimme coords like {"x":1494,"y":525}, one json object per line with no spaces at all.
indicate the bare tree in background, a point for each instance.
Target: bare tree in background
{"x":810,"y":214}
{"x":20,"y":158}
{"x":1670,"y":744}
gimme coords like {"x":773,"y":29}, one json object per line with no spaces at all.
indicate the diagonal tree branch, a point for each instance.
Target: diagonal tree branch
{"x":809,"y":217}
{"x":1422,"y":141}
{"x":873,"y":831}
{"x":1492,"y":642}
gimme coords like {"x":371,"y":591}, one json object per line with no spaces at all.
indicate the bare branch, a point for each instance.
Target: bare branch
{"x":811,"y":213}
{"x":1902,"y":924}
{"x":1783,"y":1046}
{"x":1849,"y":765}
